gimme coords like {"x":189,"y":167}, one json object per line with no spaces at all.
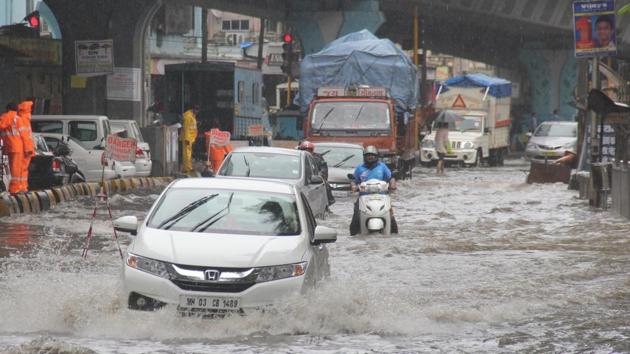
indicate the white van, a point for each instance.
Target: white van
{"x":90,"y":131}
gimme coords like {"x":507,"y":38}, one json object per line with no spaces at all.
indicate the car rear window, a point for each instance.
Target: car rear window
{"x":47,"y":126}
{"x":262,"y":165}
{"x":227,"y":212}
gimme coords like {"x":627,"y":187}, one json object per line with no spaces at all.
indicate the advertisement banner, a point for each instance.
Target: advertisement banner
{"x":94,"y":57}
{"x":594,"y":28}
{"x":121,"y":149}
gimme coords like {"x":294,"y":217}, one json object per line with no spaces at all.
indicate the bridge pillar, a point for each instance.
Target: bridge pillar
{"x":553,"y":77}
{"x":124,"y":21}
{"x":317,"y":28}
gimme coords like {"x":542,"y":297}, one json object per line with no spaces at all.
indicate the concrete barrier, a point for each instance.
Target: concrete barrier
{"x":34,"y":202}
{"x":44,"y":201}
{"x":25,"y":206}
{"x":38,"y":201}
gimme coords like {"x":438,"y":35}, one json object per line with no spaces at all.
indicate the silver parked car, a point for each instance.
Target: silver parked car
{"x":290,"y":166}
{"x":342,"y":158}
{"x":551,"y":140}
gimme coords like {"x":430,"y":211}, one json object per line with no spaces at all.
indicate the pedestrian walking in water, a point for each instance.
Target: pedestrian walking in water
{"x":533,"y":122}
{"x":441,"y":145}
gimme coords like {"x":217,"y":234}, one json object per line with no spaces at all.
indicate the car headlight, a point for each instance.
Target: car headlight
{"x":281,"y":272}
{"x":469,"y":145}
{"x":147,"y":265}
{"x":428,"y":144}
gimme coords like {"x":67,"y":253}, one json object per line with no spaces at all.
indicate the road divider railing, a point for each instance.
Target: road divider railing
{"x":38,"y":201}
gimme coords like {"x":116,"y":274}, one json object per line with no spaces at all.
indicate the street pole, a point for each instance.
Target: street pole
{"x":261,"y":41}
{"x":593,"y":124}
{"x":204,"y":35}
{"x":289,"y":90}
{"x":423,"y":72}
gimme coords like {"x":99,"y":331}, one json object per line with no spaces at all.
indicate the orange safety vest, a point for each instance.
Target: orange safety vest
{"x":24,"y":125}
{"x":10,"y":133}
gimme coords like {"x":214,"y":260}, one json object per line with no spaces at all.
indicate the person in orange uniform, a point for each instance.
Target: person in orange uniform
{"x":13,"y":146}
{"x":24,"y":128}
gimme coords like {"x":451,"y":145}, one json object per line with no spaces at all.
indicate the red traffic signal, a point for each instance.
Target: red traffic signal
{"x":33,"y":19}
{"x":287,"y":38}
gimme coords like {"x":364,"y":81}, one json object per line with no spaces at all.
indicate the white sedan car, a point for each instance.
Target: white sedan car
{"x":216,"y":245}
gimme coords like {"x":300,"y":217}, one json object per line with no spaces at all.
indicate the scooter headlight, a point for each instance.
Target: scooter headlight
{"x":469,"y":145}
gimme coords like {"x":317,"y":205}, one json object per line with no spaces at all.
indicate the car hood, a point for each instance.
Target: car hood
{"x":339,"y":174}
{"x":218,"y":250}
{"x":552,"y":141}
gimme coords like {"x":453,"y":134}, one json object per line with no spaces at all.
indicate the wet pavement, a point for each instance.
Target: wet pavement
{"x":484,"y":263}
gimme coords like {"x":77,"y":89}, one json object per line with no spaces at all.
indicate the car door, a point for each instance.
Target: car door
{"x":316,"y":192}
{"x":320,"y":252}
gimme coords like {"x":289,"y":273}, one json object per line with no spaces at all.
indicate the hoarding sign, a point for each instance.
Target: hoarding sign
{"x":218,"y":137}
{"x":255,"y":130}
{"x":121,"y":149}
{"x":594,"y":28}
{"x":94,"y":57}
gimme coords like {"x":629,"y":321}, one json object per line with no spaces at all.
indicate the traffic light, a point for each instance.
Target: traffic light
{"x":33,"y":20}
{"x":287,"y":53}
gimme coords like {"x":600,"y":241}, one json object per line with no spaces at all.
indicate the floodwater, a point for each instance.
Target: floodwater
{"x":484,"y":263}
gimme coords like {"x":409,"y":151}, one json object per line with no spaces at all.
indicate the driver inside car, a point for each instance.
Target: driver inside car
{"x":371,"y":168}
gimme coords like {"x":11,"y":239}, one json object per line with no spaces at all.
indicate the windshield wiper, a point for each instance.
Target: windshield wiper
{"x":342,"y":161}
{"x":358,"y":114}
{"x":325,"y":117}
{"x":324,"y":153}
{"x":248,"y":168}
{"x":185,"y":211}
{"x":211,"y":220}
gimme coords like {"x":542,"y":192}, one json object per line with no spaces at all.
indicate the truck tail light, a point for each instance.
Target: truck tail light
{"x":56,"y":165}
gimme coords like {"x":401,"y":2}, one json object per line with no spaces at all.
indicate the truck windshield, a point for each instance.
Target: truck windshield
{"x":353,"y":115}
{"x":464,"y":123}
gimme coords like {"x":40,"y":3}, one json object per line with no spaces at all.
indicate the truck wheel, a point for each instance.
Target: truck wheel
{"x":500,"y":157}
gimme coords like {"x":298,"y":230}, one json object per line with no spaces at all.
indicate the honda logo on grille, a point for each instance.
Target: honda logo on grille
{"x":212,"y":274}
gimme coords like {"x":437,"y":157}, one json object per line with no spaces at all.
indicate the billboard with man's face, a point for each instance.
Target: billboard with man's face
{"x":594,"y":28}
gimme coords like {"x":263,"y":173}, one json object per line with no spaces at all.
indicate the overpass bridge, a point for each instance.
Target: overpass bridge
{"x":532,"y":38}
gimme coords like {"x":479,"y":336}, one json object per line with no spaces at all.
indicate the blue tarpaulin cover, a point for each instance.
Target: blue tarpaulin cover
{"x":498,"y":87}
{"x":360,"y":58}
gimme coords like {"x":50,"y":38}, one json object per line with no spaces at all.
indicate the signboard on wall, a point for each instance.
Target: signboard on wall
{"x":594,"y":28}
{"x":124,"y":84}
{"x":94,"y":57}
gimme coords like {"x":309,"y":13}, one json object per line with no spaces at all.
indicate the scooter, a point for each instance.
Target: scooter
{"x":375,"y":207}
{"x":63,"y":152}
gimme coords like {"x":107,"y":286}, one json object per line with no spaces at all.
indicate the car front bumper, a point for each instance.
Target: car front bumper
{"x":539,"y":155}
{"x":467,"y":156}
{"x":258,"y":296}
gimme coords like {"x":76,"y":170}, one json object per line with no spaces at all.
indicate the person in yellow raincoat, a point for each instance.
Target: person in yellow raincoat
{"x":189,"y":135}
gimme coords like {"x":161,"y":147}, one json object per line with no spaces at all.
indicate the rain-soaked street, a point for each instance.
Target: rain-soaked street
{"x":484,"y":263}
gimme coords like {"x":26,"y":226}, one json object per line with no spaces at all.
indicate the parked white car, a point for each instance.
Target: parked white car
{"x":89,"y":161}
{"x":143,"y":153}
{"x":214,"y":245}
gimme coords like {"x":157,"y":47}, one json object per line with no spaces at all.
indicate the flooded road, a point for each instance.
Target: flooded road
{"x":484,"y":263}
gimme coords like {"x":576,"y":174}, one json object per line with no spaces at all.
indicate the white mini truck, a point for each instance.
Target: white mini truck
{"x":483,"y":132}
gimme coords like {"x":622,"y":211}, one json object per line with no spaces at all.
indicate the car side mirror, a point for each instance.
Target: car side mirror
{"x":128,"y":224}
{"x":529,"y":134}
{"x":317,"y":179}
{"x":324,"y":234}
{"x":350,"y":176}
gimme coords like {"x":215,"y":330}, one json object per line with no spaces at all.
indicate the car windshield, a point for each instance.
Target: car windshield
{"x":227,"y":212}
{"x":351,"y":115}
{"x":262,"y":165}
{"x":464,"y":123}
{"x":557,"y":130}
{"x":340,"y":156}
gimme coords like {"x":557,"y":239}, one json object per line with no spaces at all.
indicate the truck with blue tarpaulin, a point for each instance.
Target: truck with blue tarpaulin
{"x":478,"y":111}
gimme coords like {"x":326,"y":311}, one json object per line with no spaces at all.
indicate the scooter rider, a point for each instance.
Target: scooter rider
{"x":371,"y":168}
